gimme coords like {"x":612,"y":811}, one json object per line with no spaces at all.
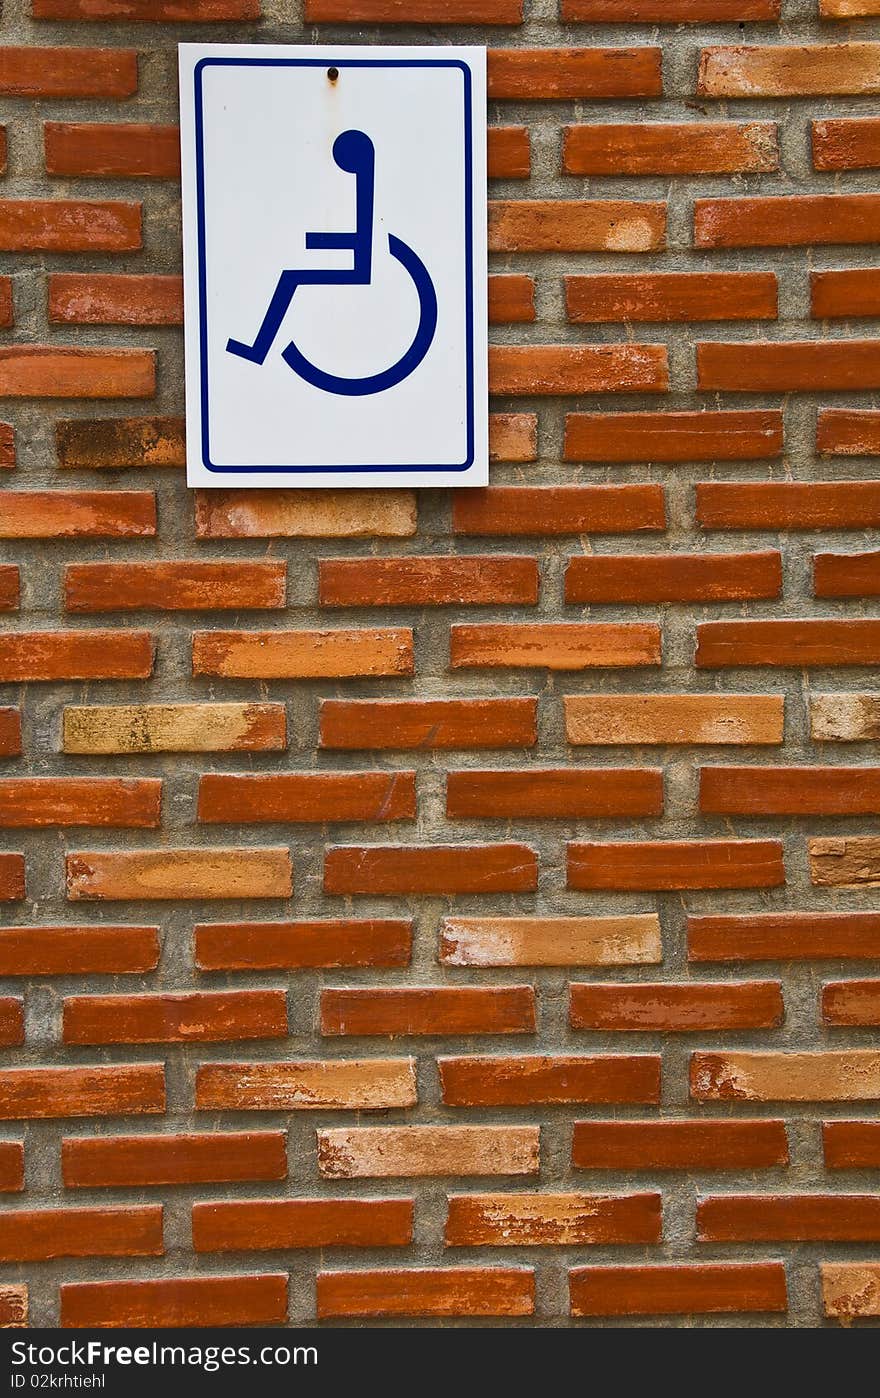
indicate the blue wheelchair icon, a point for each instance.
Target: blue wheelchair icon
{"x":353,"y":151}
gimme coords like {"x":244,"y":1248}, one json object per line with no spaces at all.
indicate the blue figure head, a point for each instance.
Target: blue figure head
{"x":353,"y":151}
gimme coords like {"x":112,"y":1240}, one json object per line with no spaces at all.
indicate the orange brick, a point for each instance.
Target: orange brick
{"x":845,"y":294}
{"x":716,"y":719}
{"x":543,"y":369}
{"x":788,"y":505}
{"x":11,"y":1021}
{"x":666,"y":11}
{"x":69,"y":225}
{"x":173,"y":1301}
{"x":851,"y":1145}
{"x":68,"y":72}
{"x":133,"y":803}
{"x":369,"y":1084}
{"x":569,"y":509}
{"x":851,"y":1003}
{"x":430,"y":725}
{"x":79,"y":298}
{"x":114,"y":1090}
{"x":508,"y":153}
{"x":431,"y":1010}
{"x":10,"y":732}
{"x":673,"y":577}
{"x":558,"y":1220}
{"x":848,"y":432}
{"x":767,"y":367}
{"x":7,"y":308}
{"x":373,"y":1152}
{"x":512,"y":437}
{"x":784,"y":936}
{"x":13,"y":1306}
{"x":679,"y":1145}
{"x":316,"y":797}
{"x":846,"y":575}
{"x":441,"y":869}
{"x":853,"y":1075}
{"x":282,"y":946}
{"x":246,"y":1225}
{"x":179,"y":873}
{"x":787,"y":221}
{"x":841,"y":791}
{"x":200,"y":1016}
{"x":73,"y":949}
{"x":789,"y":1218}
{"x":424,"y":12}
{"x":12,"y":878}
{"x":11,"y":1166}
{"x":664,"y":1008}
{"x":7,"y":446}
{"x":844,"y":862}
{"x":172,"y":11}
{"x":671,"y":296}
{"x":107,"y":149}
{"x":154,"y":728}
{"x":850,"y":1290}
{"x":76,"y":655}
{"x":793,"y":643}
{"x":441,"y":1291}
{"x":72,"y":514}
{"x":434,"y":581}
{"x":782,"y":70}
{"x":655,"y":148}
{"x":303,"y":654}
{"x":556,"y":1079}
{"x":511,"y":299}
{"x":558,"y":74}
{"x":113,"y":587}
{"x":701,"y":436}
{"x":10,"y":589}
{"x":305,"y":514}
{"x":678,"y":1288}
{"x":550,"y":941}
{"x":116,"y":443}
{"x":132,"y":1162}
{"x":576,"y":225}
{"x":565,"y":793}
{"x":38,"y":1235}
{"x":554,"y":646}
{"x":845,"y":144}
{"x":631,"y":865}
{"x":44,"y":371}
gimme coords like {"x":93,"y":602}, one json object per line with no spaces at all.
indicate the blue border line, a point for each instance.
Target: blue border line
{"x":201,"y":234}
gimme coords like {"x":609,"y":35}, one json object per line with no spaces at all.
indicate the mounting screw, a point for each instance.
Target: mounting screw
{"x":333,"y":74}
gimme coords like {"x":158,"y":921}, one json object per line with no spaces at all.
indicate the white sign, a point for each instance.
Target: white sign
{"x":334,"y":216}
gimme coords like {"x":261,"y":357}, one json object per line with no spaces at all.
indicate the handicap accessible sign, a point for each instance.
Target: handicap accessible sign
{"x":334,"y":221}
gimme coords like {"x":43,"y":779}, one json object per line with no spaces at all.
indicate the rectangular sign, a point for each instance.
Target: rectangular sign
{"x":334,"y":229}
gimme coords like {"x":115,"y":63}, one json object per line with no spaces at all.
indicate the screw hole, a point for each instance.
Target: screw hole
{"x":333,"y":74}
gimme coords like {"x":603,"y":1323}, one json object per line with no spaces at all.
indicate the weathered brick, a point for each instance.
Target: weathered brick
{"x":789,"y":1217}
{"x":554,"y":1079}
{"x":68,"y":72}
{"x":576,"y":225}
{"x":316,"y":797}
{"x":787,"y":221}
{"x":843,"y":365}
{"x":115,"y":1090}
{"x":673,"y":577}
{"x":853,"y":1075}
{"x":845,"y":144}
{"x":845,"y":862}
{"x":76,"y":655}
{"x":123,"y":728}
{"x":841,"y":791}
{"x":175,"y":1301}
{"x":563,"y":793}
{"x":676,"y":864}
{"x":423,"y":12}
{"x":13,"y":1306}
{"x":558,"y":74}
{"x":10,"y":587}
{"x":370,"y":1152}
{"x":430,"y":724}
{"x":431,"y":1010}
{"x":845,"y":294}
{"x":558,"y":1220}
{"x":115,"y":443}
{"x":788,"y":504}
{"x":132,"y":803}
{"x":11,"y":1021}
{"x":75,"y":949}
{"x":172,"y":11}
{"x":133,"y":1162}
{"x":846,"y":575}
{"x":555,"y":646}
{"x":508,"y":154}
{"x":303,"y":654}
{"x":569,"y":509}
{"x":702,"y":436}
{"x":11,"y":1167}
{"x":851,"y":1145}
{"x":10,"y":732}
{"x":200,"y":1016}
{"x":544,"y":369}
{"x":109,"y":149}
{"x":656,"y":148}
{"x":435,"y":581}
{"x":671,"y":296}
{"x":442,"y":1291}
{"x":714,"y":719}
{"x":512,"y":437}
{"x":851,"y":1003}
{"x":849,"y":718}
{"x":663,"y":1008}
{"x":282,"y":946}
{"x":305,"y":514}
{"x":12,"y":878}
{"x":679,"y":1289}
{"x":39,"y":1235}
{"x":44,"y":371}
{"x":69,"y":225}
{"x":179,"y":873}
{"x":441,"y":869}
{"x":551,"y":941}
{"x":850,"y":1290}
{"x":783,"y":936}
{"x":792,"y":643}
{"x":368,"y":1084}
{"x":80,"y":298}
{"x":848,"y":432}
{"x":72,"y":514}
{"x":782,"y":70}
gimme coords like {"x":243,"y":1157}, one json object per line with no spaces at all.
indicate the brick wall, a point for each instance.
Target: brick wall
{"x":461,"y":906}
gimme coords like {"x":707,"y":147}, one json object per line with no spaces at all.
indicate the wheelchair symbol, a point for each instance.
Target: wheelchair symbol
{"x":354,"y":152}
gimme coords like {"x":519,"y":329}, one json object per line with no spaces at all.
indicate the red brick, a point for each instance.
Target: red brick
{"x":198,"y":1016}
{"x":631,"y":865}
{"x":112,"y":1090}
{"x":11,"y":1166}
{"x":134,"y":1162}
{"x":424,"y":12}
{"x":791,"y":1218}
{"x":655,"y":148}
{"x":72,"y":514}
{"x":543,"y":369}
{"x":565,"y":793}
{"x":38,"y":1235}
{"x":846,"y":574}
{"x":68,"y":72}
{"x":11,"y":1021}
{"x":555,"y":646}
{"x":792,"y":643}
{"x":568,"y":509}
{"x":511,"y":299}
{"x":441,"y":869}
{"x":315,"y":797}
{"x":679,"y":1289}
{"x":557,"y":1220}
{"x":840,"y":791}
{"x":13,"y":1306}
{"x":7,"y":446}
{"x":667,"y":11}
{"x":74,"y":949}
{"x":115,"y":587}
{"x":784,"y":936}
{"x":679,"y":1145}
{"x":124,"y":802}
{"x":171,"y":11}
{"x":108,"y":149}
{"x":788,"y":504}
{"x":559,"y":74}
{"x":440,"y":1291}
{"x":508,"y":153}
{"x":80,"y":298}
{"x":116,"y":443}
{"x":12,"y":878}
{"x":851,"y":1003}
{"x":787,"y":221}
{"x":845,"y":144}
{"x":576,"y":225}
{"x":10,"y":733}
{"x":701,"y":436}
{"x":43,"y":371}
{"x":369,"y":1084}
{"x":664,"y":1008}
{"x":781,"y":70}
{"x":431,"y":1010}
{"x":673,"y":577}
{"x":283,"y":946}
{"x":770,"y":367}
{"x":512,"y":437}
{"x":556,"y":1079}
{"x":7,"y":309}
{"x":848,"y":432}
{"x":69,"y":225}
{"x":851,"y":1145}
{"x":303,"y":654}
{"x":257,"y":1225}
{"x":429,"y":725}
{"x":184,"y":1301}
{"x":671,"y":296}
{"x":435,"y":581}
{"x":179,"y":873}
{"x":852,"y":1076}
{"x":845,"y":294}
{"x":76,"y":655}
{"x":10,"y":591}
{"x":381,"y":1152}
